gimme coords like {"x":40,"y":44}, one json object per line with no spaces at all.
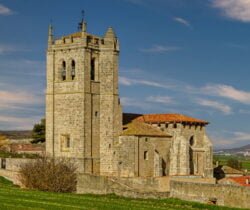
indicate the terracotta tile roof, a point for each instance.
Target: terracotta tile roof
{"x":136,"y":128}
{"x":27,"y":147}
{"x":162,"y":118}
{"x":242,"y":180}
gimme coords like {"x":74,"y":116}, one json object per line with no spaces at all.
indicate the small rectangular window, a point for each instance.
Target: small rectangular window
{"x":145,"y":155}
{"x":68,"y":143}
{"x":3,"y":163}
{"x":65,"y":142}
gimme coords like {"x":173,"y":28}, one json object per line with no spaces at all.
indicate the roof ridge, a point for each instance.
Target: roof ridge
{"x":169,"y":117}
{"x":138,"y":128}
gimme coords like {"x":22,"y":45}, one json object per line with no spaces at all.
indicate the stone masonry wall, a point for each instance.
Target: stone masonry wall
{"x":109,"y":103}
{"x":128,"y":187}
{"x":201,"y":150}
{"x":130,"y":156}
{"x":12,"y":168}
{"x":224,"y":195}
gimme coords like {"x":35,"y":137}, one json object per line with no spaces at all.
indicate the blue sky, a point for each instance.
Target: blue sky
{"x":177,"y":56}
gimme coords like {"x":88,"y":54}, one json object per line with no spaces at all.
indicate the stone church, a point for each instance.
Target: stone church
{"x":85,"y":122}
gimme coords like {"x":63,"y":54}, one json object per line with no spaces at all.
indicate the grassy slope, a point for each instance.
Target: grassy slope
{"x":12,"y":197}
{"x":4,"y":154}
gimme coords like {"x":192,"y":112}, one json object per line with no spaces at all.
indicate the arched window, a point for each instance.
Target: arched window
{"x":92,"y":69}
{"x":73,"y":69}
{"x":191,"y":141}
{"x":63,"y":71}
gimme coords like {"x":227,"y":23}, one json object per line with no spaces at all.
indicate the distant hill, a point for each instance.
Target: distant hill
{"x":237,"y":149}
{"x":16,"y":135}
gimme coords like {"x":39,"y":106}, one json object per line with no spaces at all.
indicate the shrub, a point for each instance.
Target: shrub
{"x":48,"y":174}
{"x":234,"y":163}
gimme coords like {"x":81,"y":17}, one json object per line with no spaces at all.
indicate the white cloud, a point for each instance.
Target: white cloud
{"x":182,"y":21}
{"x":5,"y":10}
{"x":22,"y":67}
{"x":215,"y":90}
{"x":215,"y":105}
{"x":18,"y":97}
{"x":21,"y":98}
{"x":131,"y":70}
{"x":159,"y":49}
{"x":18,"y":123}
{"x":129,"y":82}
{"x":234,"y":9}
{"x":160,"y":99}
{"x":241,"y":136}
{"x":243,"y":111}
{"x":131,"y":102}
{"x":126,"y":81}
{"x":19,"y":103}
{"x":227,"y":91}
{"x":237,"y":46}
{"x":136,"y":2}
{"x":230,"y":139}
{"x":6,"y":49}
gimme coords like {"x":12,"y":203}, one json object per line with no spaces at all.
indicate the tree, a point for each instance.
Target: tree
{"x":234,"y":163}
{"x":3,"y":140}
{"x":38,"y":132}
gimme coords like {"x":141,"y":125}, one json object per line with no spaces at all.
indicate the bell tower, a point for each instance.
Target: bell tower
{"x":83,"y":112}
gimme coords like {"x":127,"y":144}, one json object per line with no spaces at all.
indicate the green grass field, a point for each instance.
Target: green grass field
{"x":223,"y":160}
{"x":12,"y":197}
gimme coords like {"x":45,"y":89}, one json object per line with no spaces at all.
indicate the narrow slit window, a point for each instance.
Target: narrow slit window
{"x":73,"y":70}
{"x":68,"y":142}
{"x":63,"y":71}
{"x":145,"y":155}
{"x":3,"y":163}
{"x":92,"y":69}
